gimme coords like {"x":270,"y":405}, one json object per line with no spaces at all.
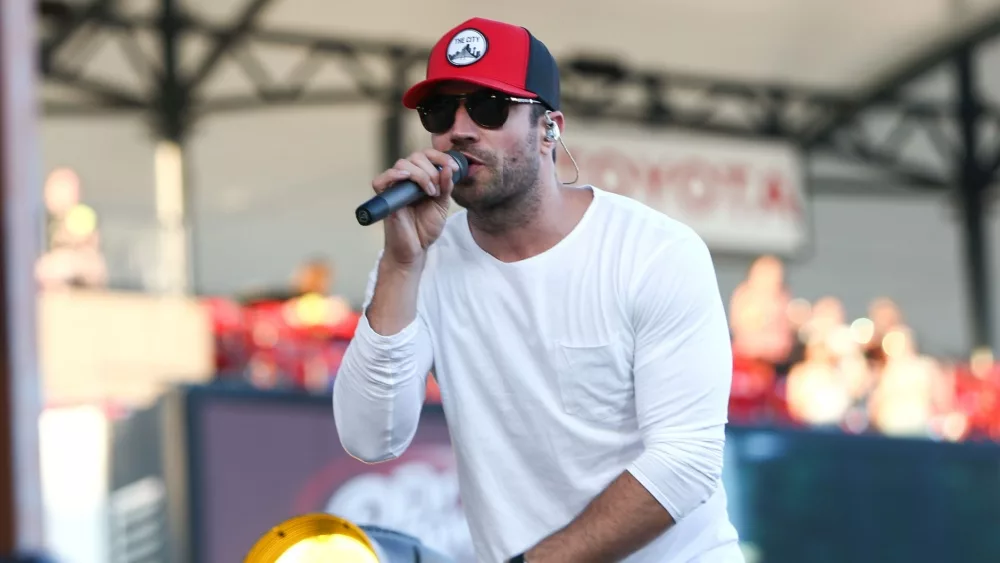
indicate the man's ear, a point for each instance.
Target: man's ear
{"x":552,"y":124}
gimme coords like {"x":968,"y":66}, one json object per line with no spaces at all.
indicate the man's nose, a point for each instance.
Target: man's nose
{"x":464,"y":129}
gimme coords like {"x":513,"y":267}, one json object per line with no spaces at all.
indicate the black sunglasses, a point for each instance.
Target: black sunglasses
{"x":487,"y":109}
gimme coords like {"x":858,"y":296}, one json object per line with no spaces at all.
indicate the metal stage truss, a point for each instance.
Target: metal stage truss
{"x":875,"y":129}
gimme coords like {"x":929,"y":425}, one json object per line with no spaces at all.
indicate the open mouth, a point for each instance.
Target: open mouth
{"x":472,"y":160}
{"x":475,"y":165}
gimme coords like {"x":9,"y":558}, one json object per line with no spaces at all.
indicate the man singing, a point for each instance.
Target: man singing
{"x":578,"y":337}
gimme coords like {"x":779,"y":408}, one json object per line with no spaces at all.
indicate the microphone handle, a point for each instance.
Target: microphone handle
{"x":402,"y":194}
{"x":389,"y":201}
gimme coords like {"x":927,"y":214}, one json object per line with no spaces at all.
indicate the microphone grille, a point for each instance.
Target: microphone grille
{"x":363,"y":217}
{"x":463,"y":164}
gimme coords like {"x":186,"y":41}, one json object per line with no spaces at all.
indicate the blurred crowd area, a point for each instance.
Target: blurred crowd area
{"x":805,"y":363}
{"x":796,"y":362}
{"x":284,"y":338}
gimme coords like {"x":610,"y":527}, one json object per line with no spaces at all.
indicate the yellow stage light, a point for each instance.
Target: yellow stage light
{"x":314,"y":538}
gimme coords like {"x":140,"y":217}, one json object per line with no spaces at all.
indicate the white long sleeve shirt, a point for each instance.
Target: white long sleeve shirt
{"x":607,"y":353}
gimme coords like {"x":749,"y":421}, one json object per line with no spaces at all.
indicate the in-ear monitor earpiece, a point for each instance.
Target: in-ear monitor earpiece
{"x":553,"y":134}
{"x":552,"y":128}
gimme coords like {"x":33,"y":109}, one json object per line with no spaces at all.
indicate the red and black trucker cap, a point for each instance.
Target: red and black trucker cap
{"x":495,"y":55}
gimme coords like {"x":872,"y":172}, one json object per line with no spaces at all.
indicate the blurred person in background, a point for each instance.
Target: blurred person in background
{"x":799,"y":313}
{"x":817,"y":392}
{"x":314,"y":281}
{"x":762,"y":338}
{"x":309,"y":296}
{"x":902,"y":403}
{"x":74,"y":261}
{"x":758,"y":314}
{"x":72,"y":255}
{"x":313,"y":276}
{"x":578,"y":336}
{"x":752,"y":391}
{"x":832,"y":384}
{"x":857,"y":376}
{"x":886,"y":317}
{"x":827,"y":322}
{"x":974,"y":407}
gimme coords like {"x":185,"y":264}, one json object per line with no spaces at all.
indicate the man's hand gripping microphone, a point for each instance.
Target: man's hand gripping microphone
{"x":402,"y":194}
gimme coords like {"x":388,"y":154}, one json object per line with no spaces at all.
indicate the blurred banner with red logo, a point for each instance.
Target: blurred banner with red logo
{"x":201,"y":476}
{"x":233,"y":462}
{"x":744,"y":196}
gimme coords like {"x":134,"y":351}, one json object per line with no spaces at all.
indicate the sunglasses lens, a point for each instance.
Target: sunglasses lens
{"x":439,"y":115}
{"x":488,"y":110}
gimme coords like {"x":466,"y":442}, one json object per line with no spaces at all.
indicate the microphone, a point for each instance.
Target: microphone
{"x":402,"y":194}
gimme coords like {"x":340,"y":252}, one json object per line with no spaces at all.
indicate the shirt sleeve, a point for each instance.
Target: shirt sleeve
{"x":379,"y":390}
{"x":683,"y":372}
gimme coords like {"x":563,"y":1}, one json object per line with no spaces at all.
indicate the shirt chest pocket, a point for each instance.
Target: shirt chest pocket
{"x":595,"y":383}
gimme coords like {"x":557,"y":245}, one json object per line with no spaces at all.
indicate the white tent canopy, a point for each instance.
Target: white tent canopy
{"x":843,"y":46}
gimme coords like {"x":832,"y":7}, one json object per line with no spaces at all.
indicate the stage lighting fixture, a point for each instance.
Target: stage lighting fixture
{"x":325,"y":538}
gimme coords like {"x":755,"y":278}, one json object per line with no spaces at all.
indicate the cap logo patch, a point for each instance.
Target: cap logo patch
{"x":466,"y":47}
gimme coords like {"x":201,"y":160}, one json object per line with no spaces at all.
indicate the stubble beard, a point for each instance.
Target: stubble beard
{"x":509,"y":197}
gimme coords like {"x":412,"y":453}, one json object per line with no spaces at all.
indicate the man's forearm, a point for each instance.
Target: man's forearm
{"x":379,"y":389}
{"x":394,"y":301}
{"x":620,"y":521}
